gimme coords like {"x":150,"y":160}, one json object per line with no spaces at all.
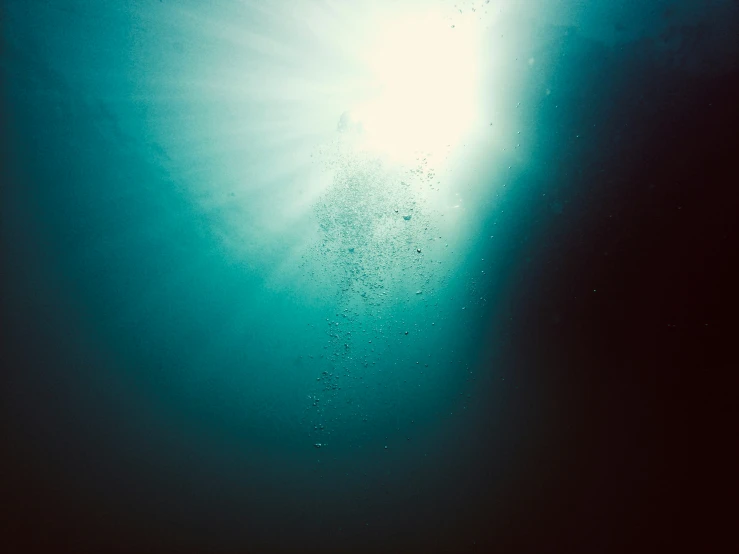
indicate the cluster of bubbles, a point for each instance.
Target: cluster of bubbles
{"x":382,"y":253}
{"x":476,"y":8}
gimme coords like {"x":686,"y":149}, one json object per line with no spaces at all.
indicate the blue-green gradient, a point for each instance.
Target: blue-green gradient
{"x":232,"y":331}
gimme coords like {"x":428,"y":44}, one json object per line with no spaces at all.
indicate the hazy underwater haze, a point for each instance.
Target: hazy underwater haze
{"x":368,"y":276}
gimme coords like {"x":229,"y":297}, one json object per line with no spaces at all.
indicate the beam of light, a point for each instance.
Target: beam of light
{"x":248,"y":101}
{"x":425,"y":78}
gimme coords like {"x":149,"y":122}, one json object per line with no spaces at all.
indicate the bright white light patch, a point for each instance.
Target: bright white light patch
{"x":426,"y":82}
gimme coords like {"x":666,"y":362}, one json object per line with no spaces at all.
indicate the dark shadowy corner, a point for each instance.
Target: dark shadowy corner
{"x":625,"y":310}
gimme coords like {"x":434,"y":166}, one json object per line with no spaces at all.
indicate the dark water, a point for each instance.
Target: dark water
{"x":225,"y":332}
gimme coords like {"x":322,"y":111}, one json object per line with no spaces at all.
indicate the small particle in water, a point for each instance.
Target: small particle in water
{"x":418,"y":250}
{"x":418,"y":292}
{"x":386,"y":447}
{"x":318,"y":445}
{"x":406,"y":332}
{"x":407,"y":217}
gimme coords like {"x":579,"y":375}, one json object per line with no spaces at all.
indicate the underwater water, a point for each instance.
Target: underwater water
{"x":317,"y":276}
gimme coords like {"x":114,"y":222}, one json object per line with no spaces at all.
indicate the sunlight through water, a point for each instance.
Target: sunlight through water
{"x":425,"y":73}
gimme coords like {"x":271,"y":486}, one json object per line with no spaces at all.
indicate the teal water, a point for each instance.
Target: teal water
{"x":234,"y":328}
